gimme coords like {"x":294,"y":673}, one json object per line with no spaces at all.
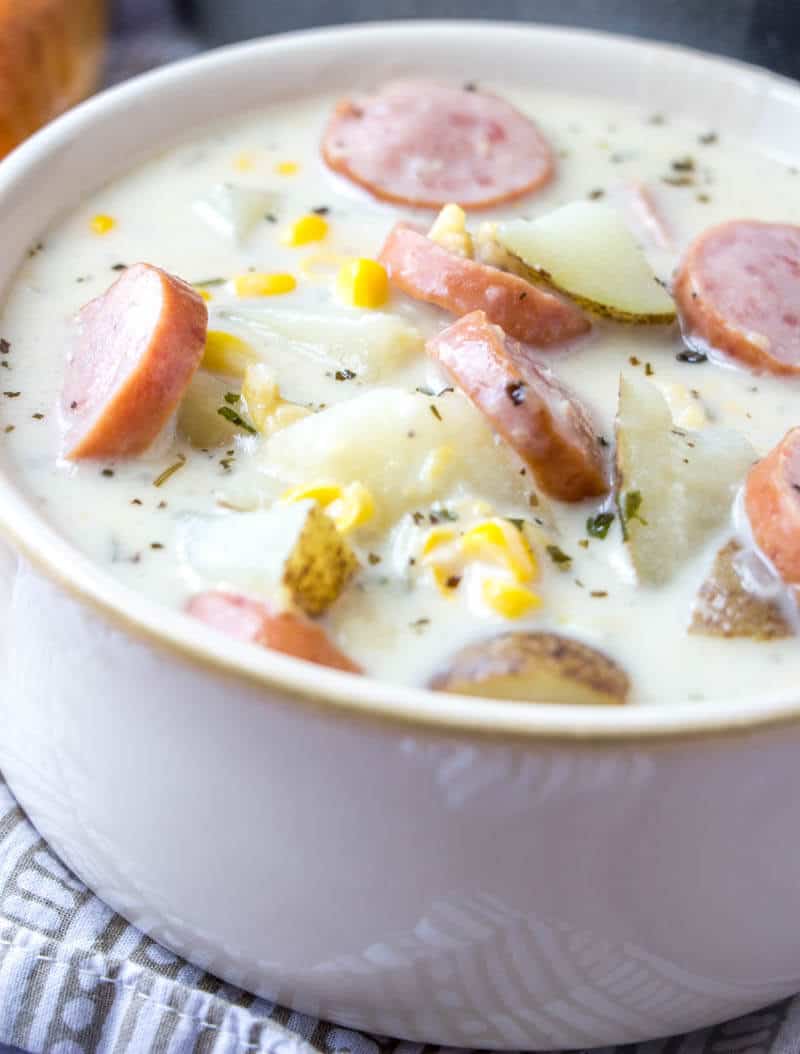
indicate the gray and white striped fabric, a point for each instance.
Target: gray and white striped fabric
{"x":75,"y":977}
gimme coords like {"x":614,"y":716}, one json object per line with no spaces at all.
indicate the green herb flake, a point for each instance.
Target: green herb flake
{"x":209,"y":283}
{"x":435,"y":412}
{"x":236,"y":418}
{"x":170,"y":471}
{"x":5,"y":346}
{"x":232,"y":398}
{"x":559,"y":557}
{"x":517,"y":521}
{"x":631,"y":509}
{"x":344,"y":375}
{"x":597,"y":526}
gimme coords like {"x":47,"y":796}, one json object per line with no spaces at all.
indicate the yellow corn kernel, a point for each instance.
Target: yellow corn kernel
{"x":446,"y":581}
{"x":227,"y":354}
{"x":244,"y":162}
{"x":287,"y":168}
{"x":284,"y":415}
{"x":354,"y":508}
{"x":499,"y":542}
{"x":102,"y":224}
{"x":258,"y":284}
{"x":450,"y":231}
{"x":509,"y":599}
{"x":363,"y":283}
{"x":261,"y":394}
{"x":436,"y":464}
{"x":435,"y":538}
{"x":322,"y":493}
{"x":310,"y":228}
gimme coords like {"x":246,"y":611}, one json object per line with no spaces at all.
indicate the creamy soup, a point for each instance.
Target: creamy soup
{"x":456,"y":541}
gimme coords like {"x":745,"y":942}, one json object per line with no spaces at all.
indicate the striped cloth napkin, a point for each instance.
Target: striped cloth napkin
{"x":75,"y":977}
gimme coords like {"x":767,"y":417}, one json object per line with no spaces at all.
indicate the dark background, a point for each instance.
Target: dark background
{"x":762,"y":31}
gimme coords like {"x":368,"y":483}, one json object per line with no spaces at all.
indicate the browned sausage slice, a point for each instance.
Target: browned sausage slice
{"x":539,"y":418}
{"x":255,"y":623}
{"x":772,"y":502}
{"x":738,"y":291}
{"x":425,"y":143}
{"x":426,"y":271}
{"x":137,"y":347}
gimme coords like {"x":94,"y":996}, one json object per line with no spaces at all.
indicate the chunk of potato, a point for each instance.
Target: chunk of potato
{"x":674,"y":487}
{"x":370,"y":343}
{"x":536,"y":668}
{"x":388,"y":439}
{"x":726,"y":608}
{"x":295,"y":548}
{"x":585,"y":250}
{"x":198,"y":417}
{"x":233,"y":210}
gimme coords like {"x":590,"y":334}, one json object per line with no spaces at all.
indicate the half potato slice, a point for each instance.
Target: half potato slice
{"x":535,"y":667}
{"x":586,"y":251}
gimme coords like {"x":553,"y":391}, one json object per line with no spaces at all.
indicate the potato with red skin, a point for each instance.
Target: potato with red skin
{"x":772,"y":503}
{"x":543,"y":422}
{"x":256,"y":622}
{"x":425,"y":271}
{"x":137,"y":348}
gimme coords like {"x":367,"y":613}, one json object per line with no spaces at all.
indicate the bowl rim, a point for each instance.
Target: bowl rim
{"x":362,"y":698}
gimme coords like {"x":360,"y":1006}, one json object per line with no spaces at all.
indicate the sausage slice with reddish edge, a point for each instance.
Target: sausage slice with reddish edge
{"x":137,"y":348}
{"x":738,"y":291}
{"x":424,"y":270}
{"x":426,"y":143}
{"x":535,"y":415}
{"x":772,"y":503}
{"x":255,"y":622}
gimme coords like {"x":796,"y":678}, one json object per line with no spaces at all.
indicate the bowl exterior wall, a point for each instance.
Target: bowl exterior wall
{"x":443,"y":888}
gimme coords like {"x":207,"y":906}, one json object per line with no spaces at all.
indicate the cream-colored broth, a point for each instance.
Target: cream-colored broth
{"x":392,"y":620}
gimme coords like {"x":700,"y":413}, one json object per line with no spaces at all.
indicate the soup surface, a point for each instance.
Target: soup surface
{"x":456,"y":540}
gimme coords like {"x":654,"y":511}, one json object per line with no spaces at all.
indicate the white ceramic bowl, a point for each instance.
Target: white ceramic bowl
{"x":441,"y":869}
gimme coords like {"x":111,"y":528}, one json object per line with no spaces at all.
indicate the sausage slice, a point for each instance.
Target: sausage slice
{"x":138,"y":346}
{"x":426,"y":271}
{"x":256,"y":623}
{"x":772,"y":503}
{"x":738,"y":290}
{"x":425,"y":143}
{"x":536,"y":415}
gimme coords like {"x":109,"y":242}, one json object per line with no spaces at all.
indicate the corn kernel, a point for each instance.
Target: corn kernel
{"x":287,"y":168}
{"x":508,"y":599}
{"x":363,"y":283}
{"x":261,"y":394}
{"x":244,"y":162}
{"x":450,"y":231}
{"x":256,"y":284}
{"x":307,"y":229}
{"x":102,"y":224}
{"x":446,"y":582}
{"x":354,"y":508}
{"x":436,"y":464}
{"x":227,"y":354}
{"x":322,"y":493}
{"x":435,"y":538}
{"x":499,"y":542}
{"x":204,"y":294}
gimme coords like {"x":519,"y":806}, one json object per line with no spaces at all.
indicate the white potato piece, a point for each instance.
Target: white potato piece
{"x":535,"y":667}
{"x":674,"y":487}
{"x":406,"y":454}
{"x":234,"y":211}
{"x":585,"y":250}
{"x":370,"y":343}
{"x":293,"y":548}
